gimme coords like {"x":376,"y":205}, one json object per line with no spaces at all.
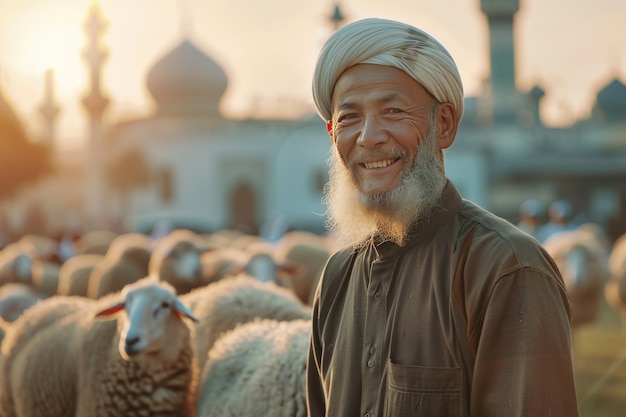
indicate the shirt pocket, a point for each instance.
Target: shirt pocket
{"x":422,"y":391}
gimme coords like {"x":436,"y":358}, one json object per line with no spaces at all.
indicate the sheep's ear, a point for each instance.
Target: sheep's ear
{"x":289,"y":269}
{"x":111,"y":311}
{"x":183,"y":311}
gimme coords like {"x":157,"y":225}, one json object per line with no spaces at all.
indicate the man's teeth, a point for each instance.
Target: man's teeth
{"x":378,"y":164}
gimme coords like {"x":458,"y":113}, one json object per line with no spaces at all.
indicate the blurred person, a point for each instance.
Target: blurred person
{"x":436,"y":307}
{"x":531,"y":212}
{"x":560,"y":214}
{"x":616,"y":224}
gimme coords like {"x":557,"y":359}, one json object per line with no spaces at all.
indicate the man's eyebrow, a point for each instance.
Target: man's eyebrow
{"x":349,"y":105}
{"x":346,"y":105}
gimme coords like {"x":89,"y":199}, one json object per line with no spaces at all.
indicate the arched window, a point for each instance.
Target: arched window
{"x":165,"y":185}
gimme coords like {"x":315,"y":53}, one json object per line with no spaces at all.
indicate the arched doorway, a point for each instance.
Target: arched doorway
{"x":243,"y":209}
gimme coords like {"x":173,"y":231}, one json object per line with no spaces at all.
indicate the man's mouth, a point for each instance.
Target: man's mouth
{"x":379,"y":164}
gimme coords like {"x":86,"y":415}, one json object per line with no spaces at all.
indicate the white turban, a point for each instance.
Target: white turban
{"x":390,"y":43}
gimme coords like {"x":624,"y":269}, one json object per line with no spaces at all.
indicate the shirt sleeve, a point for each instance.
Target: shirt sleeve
{"x":524,"y":364}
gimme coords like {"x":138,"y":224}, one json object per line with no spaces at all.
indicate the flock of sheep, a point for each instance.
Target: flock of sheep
{"x":186,"y":325}
{"x":195,"y":325}
{"x":593,"y":270}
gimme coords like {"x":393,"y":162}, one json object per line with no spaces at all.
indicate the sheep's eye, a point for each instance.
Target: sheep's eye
{"x":164,"y":305}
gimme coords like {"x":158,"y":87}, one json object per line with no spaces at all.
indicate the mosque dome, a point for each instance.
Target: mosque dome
{"x":186,"y":81}
{"x":611,"y":101}
{"x":614,"y":94}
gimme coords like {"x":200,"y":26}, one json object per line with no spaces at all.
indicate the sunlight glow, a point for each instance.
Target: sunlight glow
{"x":46,"y":35}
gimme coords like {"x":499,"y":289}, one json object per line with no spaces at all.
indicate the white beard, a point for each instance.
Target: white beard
{"x":356,"y":217}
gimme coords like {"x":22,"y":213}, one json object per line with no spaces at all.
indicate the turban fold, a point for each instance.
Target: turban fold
{"x":390,"y":43}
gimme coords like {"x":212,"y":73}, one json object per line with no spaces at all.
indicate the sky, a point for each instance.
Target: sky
{"x":268,"y":48}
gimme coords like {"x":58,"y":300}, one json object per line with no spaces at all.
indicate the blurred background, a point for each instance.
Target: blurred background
{"x":119,"y":115}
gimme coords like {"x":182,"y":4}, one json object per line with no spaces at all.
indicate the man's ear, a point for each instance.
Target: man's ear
{"x":329,"y":127}
{"x":446,"y":125}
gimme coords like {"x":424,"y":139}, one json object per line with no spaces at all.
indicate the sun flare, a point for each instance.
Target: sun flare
{"x":46,"y":35}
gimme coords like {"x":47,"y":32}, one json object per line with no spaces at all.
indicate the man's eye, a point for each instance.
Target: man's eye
{"x":395,"y":111}
{"x":345,"y":117}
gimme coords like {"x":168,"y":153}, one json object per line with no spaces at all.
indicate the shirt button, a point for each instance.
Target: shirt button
{"x":367,"y":415}
{"x":377,"y":296}
{"x":372,"y":350}
{"x":371,"y":362}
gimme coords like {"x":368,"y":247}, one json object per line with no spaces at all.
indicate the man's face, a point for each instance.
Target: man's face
{"x":380,"y":117}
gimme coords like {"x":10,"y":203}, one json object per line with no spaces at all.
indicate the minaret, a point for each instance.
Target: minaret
{"x":95,"y":103}
{"x":337,"y":18}
{"x":49,"y":111}
{"x":500,"y":15}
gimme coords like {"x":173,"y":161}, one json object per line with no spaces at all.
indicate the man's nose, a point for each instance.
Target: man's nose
{"x":372,"y":133}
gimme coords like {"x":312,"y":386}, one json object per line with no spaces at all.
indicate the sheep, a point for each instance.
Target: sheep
{"x":222,"y":305}
{"x":15,"y":263}
{"x":31,"y":260}
{"x":74,"y":274}
{"x":615,"y":288}
{"x":186,"y":261}
{"x":262,"y":362}
{"x":258,"y":260}
{"x":4,"y":325}
{"x":222,"y":262}
{"x":307,"y":254}
{"x":176,"y":259}
{"x":125,"y":262}
{"x":16,"y":297}
{"x":43,"y":247}
{"x":94,"y":242}
{"x":580,"y":256}
{"x":45,"y":276}
{"x":66,"y":356}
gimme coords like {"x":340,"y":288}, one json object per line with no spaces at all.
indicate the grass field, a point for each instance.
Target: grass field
{"x":600,"y":366}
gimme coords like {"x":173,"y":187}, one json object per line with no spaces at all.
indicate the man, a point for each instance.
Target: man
{"x":437,"y":307}
{"x":530,"y":212}
{"x":560,"y":215}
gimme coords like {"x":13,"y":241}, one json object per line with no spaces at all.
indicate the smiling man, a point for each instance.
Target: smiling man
{"x":436,"y":307}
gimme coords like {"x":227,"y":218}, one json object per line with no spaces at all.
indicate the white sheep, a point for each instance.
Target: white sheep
{"x":222,"y":262}
{"x":306,"y":253}
{"x":125,"y":262}
{"x":222,"y":305}
{"x":15,"y":263}
{"x":45,"y":276}
{"x":257,"y":260}
{"x":4,"y":325}
{"x":31,"y":260}
{"x":615,"y":288}
{"x":257,"y":369}
{"x":16,"y":297}
{"x":58,"y":359}
{"x":175,"y":259}
{"x":581,"y":257}
{"x":94,"y":242}
{"x":74,"y":274}
{"x":43,"y":247}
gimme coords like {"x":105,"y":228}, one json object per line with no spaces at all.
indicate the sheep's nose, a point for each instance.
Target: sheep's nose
{"x":130,"y":342}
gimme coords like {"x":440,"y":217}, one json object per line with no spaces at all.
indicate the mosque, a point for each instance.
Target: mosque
{"x":187,"y":163}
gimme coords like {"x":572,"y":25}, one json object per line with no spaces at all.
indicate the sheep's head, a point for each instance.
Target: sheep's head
{"x":152,"y":325}
{"x":184,"y":260}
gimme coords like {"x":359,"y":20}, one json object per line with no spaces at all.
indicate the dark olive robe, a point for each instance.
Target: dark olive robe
{"x":469,"y":318}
